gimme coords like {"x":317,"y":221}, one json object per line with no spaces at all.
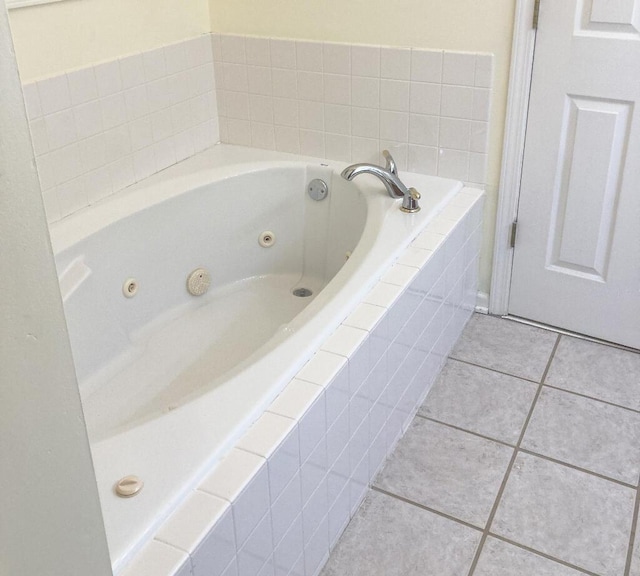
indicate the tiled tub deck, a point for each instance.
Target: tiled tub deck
{"x":279,"y":501}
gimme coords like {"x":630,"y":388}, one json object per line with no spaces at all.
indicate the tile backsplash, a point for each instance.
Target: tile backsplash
{"x":430,"y":108}
{"x":99,"y":129}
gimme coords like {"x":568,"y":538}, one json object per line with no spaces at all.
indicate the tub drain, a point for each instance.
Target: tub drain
{"x":302,"y":292}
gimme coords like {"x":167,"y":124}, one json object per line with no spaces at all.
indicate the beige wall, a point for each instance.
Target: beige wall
{"x":53,"y":38}
{"x":466,"y":25}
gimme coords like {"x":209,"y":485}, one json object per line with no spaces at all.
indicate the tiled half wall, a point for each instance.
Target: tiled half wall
{"x":99,"y":129}
{"x":278,"y":502}
{"x":348,"y":102}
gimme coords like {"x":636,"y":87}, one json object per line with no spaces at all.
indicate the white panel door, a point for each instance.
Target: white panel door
{"x":577,"y":255}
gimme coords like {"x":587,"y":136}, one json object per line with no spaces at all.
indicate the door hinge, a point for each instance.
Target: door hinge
{"x":536,"y":14}
{"x":512,"y":236}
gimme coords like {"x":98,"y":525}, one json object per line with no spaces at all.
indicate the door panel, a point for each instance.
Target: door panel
{"x":577,"y":257}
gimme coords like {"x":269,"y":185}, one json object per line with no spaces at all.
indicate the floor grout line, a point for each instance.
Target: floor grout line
{"x":592,"y":398}
{"x":542,"y":554}
{"x":574,"y":467}
{"x":427,"y":508}
{"x":505,"y":479}
{"x":632,"y":537}
{"x":436,"y":421}
{"x":492,"y":369}
{"x":530,"y":452}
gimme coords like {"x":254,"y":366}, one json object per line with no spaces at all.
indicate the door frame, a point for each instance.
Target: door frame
{"x":522,"y":52}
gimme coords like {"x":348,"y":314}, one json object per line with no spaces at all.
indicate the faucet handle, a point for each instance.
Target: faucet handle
{"x":391,"y":163}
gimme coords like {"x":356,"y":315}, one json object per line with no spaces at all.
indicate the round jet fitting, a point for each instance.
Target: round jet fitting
{"x":128,"y":486}
{"x":198,"y":282}
{"x":130,"y":287}
{"x":267,"y":239}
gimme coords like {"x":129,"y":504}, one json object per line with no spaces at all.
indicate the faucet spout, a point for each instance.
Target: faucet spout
{"x":395,"y":188}
{"x":389,"y":177}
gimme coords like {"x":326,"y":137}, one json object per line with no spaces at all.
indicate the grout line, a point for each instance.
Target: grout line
{"x":503,"y":486}
{"x":636,"y":411}
{"x":542,"y":554}
{"x":427,"y":508}
{"x":531,"y":452}
{"x":632,"y":537}
{"x":466,"y":431}
{"x":574,"y":467}
{"x":493,"y":370}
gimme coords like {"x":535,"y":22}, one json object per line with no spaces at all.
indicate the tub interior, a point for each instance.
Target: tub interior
{"x":138,"y":358}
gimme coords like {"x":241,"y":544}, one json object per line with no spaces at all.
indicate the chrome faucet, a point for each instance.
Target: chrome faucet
{"x":389,"y":177}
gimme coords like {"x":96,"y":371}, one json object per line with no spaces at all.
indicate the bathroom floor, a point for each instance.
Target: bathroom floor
{"x":524,"y":460}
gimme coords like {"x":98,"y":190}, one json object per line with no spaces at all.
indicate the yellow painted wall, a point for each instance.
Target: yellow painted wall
{"x":53,"y":38}
{"x":466,"y":25}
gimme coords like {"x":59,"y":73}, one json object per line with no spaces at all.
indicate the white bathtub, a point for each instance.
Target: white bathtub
{"x":170,"y":381}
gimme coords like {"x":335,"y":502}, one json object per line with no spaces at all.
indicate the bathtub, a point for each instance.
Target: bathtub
{"x":170,"y":381}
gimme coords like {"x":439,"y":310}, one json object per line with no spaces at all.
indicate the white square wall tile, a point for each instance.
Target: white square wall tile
{"x":365,"y":61}
{"x":310,"y":86}
{"x":32,"y":100}
{"x":459,"y":68}
{"x":175,"y":56}
{"x":425,"y":98}
{"x":285,"y":83}
{"x":336,"y":58}
{"x":398,"y":151}
{"x":400,"y":274}
{"x":287,"y":139}
{"x":132,"y":71}
{"x":365,"y":149}
{"x":261,"y":108}
{"x":423,"y":159}
{"x":54,"y":94}
{"x":394,"y":95}
{"x":337,"y":119}
{"x":260,"y":82}
{"x":154,"y":64}
{"x":455,"y":133}
{"x":239,"y":132}
{"x":39,"y":138}
{"x":479,"y":137}
{"x":337,"y":89}
{"x":365,"y":92}
{"x":484,"y":70}
{"x":156,"y":559}
{"x":284,"y":464}
{"x":82,"y":85}
{"x":311,"y":115}
{"x":481,"y":104}
{"x":312,"y":143}
{"x":233,"y":49}
{"x":426,"y":65}
{"x":424,"y":130}
{"x":263,"y":136}
{"x":108,"y":78}
{"x":283,"y":53}
{"x":61,"y":129}
{"x":189,"y":525}
{"x":338,"y":147}
{"x":453,"y":164}
{"x":285,"y":112}
{"x":258,"y":51}
{"x":394,"y":126}
{"x":395,"y":63}
{"x":309,"y":56}
{"x":217,"y":550}
{"x":457,"y":102}
{"x":365,"y":122}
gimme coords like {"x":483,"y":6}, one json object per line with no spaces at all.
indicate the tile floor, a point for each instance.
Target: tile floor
{"x":523,"y":461}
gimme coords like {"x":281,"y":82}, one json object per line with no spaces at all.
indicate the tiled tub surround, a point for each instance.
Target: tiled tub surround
{"x":99,"y":129}
{"x":278,"y":502}
{"x":349,"y":102}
